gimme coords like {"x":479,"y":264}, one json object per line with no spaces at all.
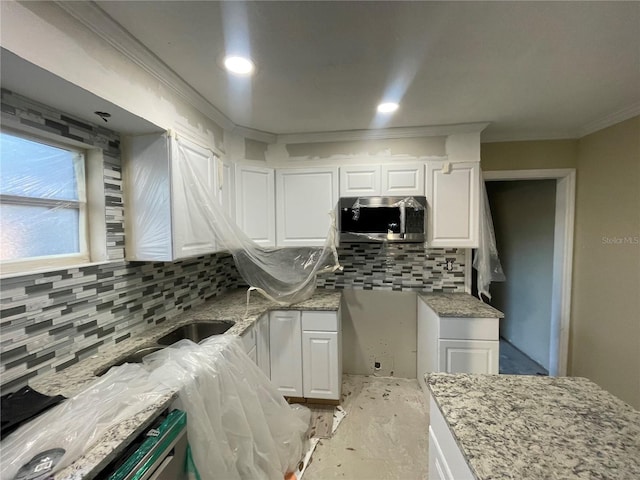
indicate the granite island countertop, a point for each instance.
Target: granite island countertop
{"x":231,"y":305}
{"x":459,"y":305}
{"x":528,"y":427}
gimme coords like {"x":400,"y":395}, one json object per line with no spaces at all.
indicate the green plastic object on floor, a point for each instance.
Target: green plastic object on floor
{"x":175,"y":422}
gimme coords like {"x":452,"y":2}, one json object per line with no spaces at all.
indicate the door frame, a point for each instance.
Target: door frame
{"x":562,"y":255}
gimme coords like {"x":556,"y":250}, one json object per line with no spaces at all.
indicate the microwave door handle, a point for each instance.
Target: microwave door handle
{"x":403,"y":219}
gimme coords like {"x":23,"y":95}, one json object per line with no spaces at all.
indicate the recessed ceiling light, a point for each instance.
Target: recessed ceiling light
{"x":387,"y":107}
{"x":239,"y":65}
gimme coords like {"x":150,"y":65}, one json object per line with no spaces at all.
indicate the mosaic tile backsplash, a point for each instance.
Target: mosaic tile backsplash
{"x":397,"y":266}
{"x":49,"y":321}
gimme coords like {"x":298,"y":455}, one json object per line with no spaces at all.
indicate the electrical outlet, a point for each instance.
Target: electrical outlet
{"x":449,"y":265}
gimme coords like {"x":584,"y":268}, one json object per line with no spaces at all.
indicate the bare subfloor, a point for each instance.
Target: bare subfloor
{"x":384,"y":436}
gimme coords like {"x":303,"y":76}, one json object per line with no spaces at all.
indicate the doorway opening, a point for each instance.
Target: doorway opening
{"x":538,"y":208}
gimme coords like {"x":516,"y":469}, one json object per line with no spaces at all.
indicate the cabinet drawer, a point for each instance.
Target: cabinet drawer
{"x":457,"y":328}
{"x":320,"y":321}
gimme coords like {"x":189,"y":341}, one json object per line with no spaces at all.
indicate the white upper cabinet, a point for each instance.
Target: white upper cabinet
{"x":169,"y":185}
{"x":255,"y":203}
{"x":226,"y":187}
{"x":194,"y":189}
{"x":387,"y":180}
{"x":360,"y":181}
{"x":400,"y":180}
{"x":453,"y":195}
{"x":304,"y":198}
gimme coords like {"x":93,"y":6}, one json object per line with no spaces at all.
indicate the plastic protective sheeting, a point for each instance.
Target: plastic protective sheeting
{"x":76,"y":424}
{"x":486,"y":260}
{"x":239,"y":425}
{"x":284,"y":275}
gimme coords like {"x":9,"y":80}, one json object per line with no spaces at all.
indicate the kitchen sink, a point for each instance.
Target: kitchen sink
{"x":196,"y":331}
{"x":135,"y":357}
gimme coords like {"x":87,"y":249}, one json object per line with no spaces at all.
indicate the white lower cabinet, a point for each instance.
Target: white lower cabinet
{"x":249,"y":342}
{"x":305,"y":354}
{"x":468,"y":356}
{"x":446,"y":461}
{"x":456,"y":344}
{"x":321,"y":359}
{"x":263,"y":345}
{"x":286,"y":352}
{"x":255,"y":341}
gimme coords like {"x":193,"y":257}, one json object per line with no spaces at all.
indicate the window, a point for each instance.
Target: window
{"x":42,"y":204}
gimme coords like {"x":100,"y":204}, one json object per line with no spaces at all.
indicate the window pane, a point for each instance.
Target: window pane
{"x":33,"y":169}
{"x":27,"y":231}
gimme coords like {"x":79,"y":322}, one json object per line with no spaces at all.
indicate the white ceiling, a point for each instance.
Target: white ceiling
{"x":532,"y":69}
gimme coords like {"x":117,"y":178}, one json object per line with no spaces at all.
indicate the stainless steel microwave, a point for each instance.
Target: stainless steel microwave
{"x":376,"y":219}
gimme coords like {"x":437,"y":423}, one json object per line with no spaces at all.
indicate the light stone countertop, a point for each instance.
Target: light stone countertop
{"x":459,"y":305}
{"x":231,"y":305}
{"x":530,"y":428}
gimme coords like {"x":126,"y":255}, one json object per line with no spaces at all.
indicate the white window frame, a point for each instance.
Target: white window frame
{"x":48,"y":262}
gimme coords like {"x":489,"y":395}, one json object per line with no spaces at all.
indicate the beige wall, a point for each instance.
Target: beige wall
{"x":605,"y":307}
{"x":605,"y":320}
{"x":529,"y":155}
{"x":255,"y":150}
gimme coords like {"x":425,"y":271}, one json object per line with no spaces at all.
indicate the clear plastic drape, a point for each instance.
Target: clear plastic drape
{"x":486,"y":260}
{"x":238,"y":424}
{"x":284,"y":275}
{"x":72,"y":427}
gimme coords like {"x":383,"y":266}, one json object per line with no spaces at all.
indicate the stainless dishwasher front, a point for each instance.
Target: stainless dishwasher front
{"x":162,"y":455}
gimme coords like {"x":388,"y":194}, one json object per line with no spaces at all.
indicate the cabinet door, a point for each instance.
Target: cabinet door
{"x":255,"y":203}
{"x":468,"y":356}
{"x":226,"y":187}
{"x":453,"y":196}
{"x":193,"y":188}
{"x":304,"y":199}
{"x":320,"y":365}
{"x":262,"y":344}
{"x":360,"y":181}
{"x":286,"y":352}
{"x":406,"y":179}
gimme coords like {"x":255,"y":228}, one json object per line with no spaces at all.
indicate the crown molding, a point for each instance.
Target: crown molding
{"x":253,"y":134}
{"x":385,"y":133}
{"x":611,"y":119}
{"x":95,"y":19}
{"x":528,"y":136}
